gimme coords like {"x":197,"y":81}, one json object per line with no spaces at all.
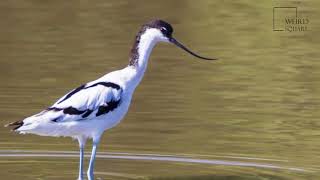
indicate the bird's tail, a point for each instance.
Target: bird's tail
{"x":15,"y":125}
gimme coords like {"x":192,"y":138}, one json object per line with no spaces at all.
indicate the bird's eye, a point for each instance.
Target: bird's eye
{"x":163,"y":30}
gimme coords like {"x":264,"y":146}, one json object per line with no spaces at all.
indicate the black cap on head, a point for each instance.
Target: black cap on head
{"x":163,"y":26}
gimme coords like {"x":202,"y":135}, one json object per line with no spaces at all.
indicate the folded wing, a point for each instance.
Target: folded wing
{"x":87,"y":101}
{"x":90,"y":100}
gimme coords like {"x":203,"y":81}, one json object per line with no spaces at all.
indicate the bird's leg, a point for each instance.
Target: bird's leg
{"x":81,"y":164}
{"x":82,"y":142}
{"x":92,"y":159}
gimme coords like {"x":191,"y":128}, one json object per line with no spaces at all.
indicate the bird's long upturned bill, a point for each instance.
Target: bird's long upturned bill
{"x":177,"y":43}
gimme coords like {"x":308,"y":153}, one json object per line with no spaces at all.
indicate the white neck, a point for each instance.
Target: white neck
{"x":141,"y":53}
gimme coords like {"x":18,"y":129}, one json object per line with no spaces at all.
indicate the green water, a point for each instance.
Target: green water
{"x":260,"y":100}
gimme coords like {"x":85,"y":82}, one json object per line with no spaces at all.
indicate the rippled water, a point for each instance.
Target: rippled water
{"x":251,"y":115}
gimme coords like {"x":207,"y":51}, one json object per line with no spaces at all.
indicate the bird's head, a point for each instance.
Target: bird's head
{"x":161,"y":31}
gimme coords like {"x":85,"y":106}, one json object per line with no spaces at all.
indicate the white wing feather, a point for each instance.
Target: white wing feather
{"x":86,"y":99}
{"x":90,"y":98}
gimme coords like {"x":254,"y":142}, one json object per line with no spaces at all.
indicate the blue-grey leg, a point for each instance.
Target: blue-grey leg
{"x":81,"y":146}
{"x":92,"y":159}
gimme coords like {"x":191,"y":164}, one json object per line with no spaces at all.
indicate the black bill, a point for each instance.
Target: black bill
{"x":177,"y":43}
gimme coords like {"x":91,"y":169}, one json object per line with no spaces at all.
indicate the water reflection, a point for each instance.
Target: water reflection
{"x":152,"y":157}
{"x":30,"y":156}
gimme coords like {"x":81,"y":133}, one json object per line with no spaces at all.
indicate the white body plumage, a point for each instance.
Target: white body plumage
{"x":53,"y":122}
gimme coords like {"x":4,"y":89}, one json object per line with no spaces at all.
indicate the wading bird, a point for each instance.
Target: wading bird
{"x":87,"y":111}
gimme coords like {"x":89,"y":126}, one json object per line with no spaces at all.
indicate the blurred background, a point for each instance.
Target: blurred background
{"x":259,"y":103}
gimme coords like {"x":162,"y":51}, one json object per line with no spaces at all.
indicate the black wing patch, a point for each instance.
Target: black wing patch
{"x":54,"y":109}
{"x":87,"y":113}
{"x":72,"y":111}
{"x":110,"y":106}
{"x":72,"y":93}
{"x":16,"y":125}
{"x":107,"y":84}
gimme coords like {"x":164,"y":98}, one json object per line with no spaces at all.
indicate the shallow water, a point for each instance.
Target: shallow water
{"x":258,"y":105}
